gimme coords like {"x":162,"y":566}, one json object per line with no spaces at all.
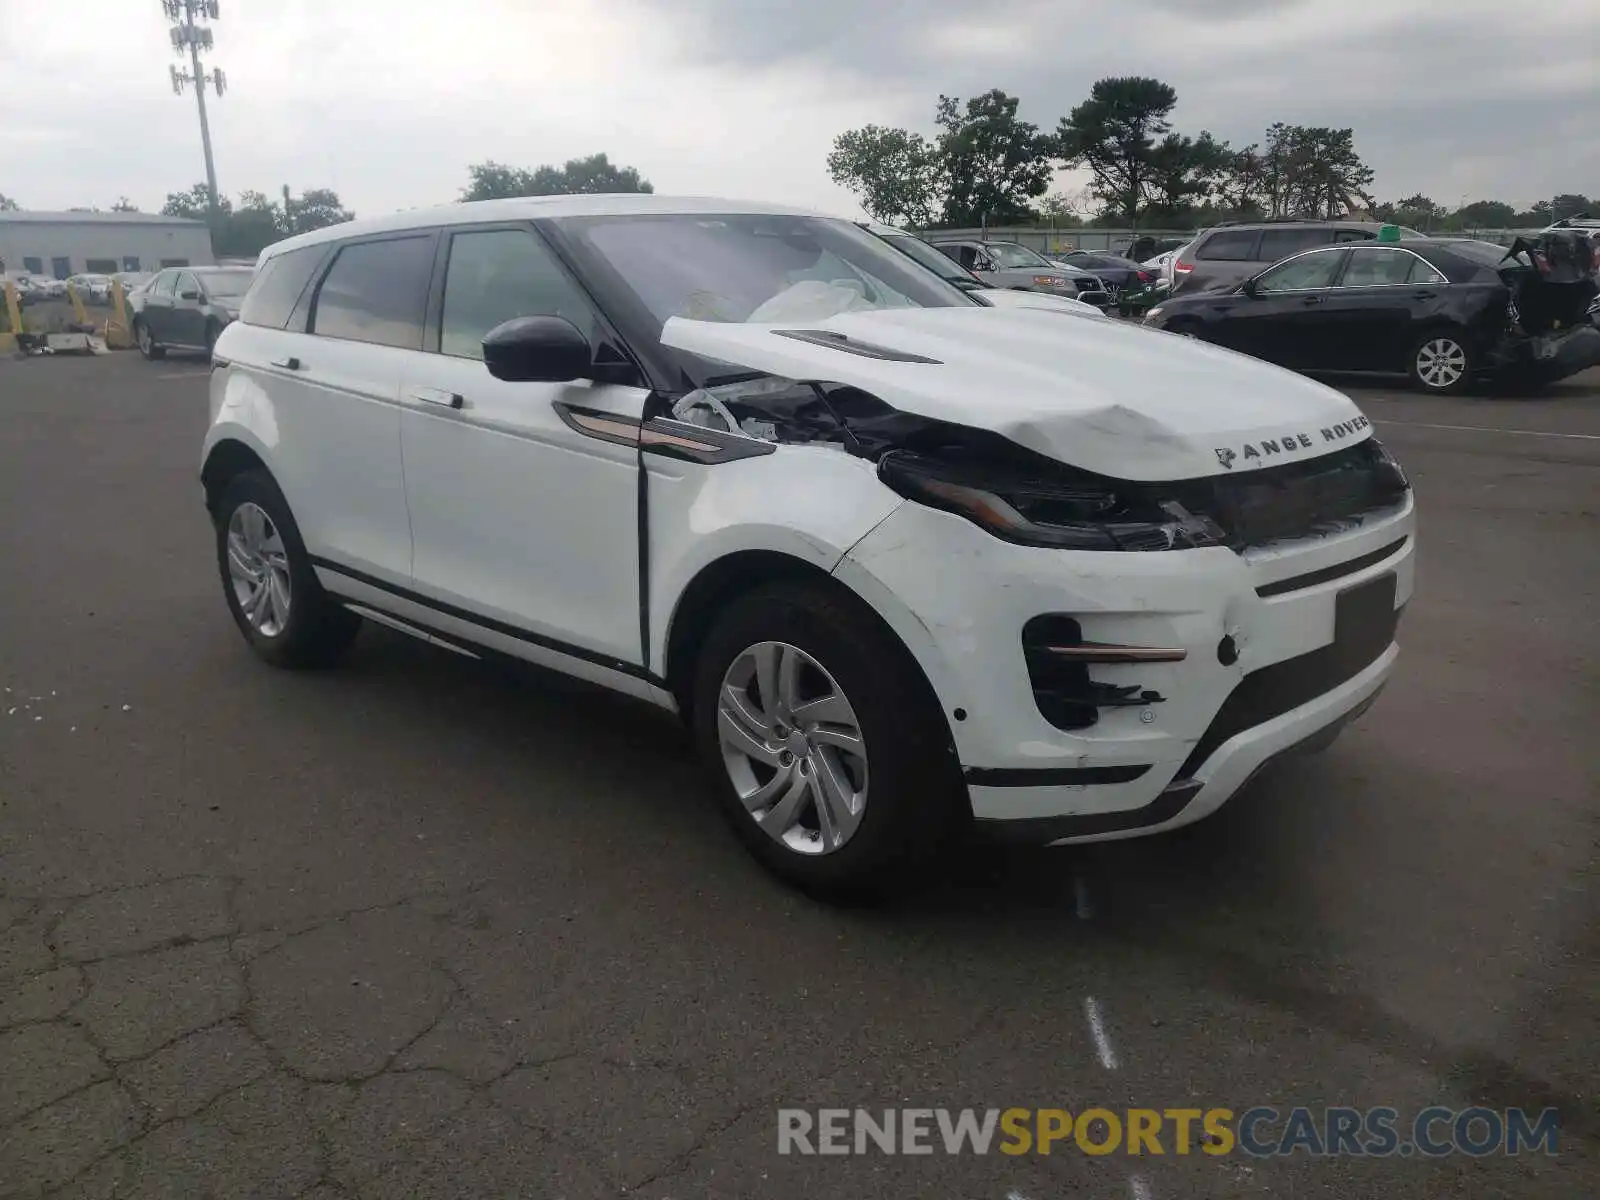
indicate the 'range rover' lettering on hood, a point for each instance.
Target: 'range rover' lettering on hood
{"x":1107,"y":397}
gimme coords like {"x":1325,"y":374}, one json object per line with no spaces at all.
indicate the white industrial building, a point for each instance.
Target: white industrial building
{"x":59,"y":244}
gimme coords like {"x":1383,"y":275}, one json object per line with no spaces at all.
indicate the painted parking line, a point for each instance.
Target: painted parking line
{"x":1579,"y":437}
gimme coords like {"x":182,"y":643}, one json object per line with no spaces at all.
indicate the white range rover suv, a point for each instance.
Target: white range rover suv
{"x":905,"y":563}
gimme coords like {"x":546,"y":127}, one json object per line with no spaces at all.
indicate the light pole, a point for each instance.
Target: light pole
{"x":190,"y":37}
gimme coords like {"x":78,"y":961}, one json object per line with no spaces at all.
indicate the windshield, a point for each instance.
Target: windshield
{"x":1017,"y":256}
{"x":226,"y":285}
{"x":941,"y":265}
{"x":754,"y":267}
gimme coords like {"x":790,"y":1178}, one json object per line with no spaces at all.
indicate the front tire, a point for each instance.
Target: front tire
{"x":213,"y":332}
{"x":832,"y":758}
{"x":1441,"y":363}
{"x":267,"y":578}
{"x":148,"y":345}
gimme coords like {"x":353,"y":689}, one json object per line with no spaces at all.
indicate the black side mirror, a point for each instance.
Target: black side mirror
{"x":188,"y":295}
{"x":1248,"y":287}
{"x":537,"y":350}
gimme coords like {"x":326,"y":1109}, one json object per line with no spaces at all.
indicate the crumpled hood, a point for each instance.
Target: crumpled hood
{"x":1106,"y":396}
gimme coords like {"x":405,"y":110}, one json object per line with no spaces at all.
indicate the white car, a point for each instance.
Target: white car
{"x":904,"y":563}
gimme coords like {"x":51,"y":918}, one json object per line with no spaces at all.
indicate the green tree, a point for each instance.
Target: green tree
{"x":194,"y":204}
{"x":314,"y":208}
{"x":1572,"y":204}
{"x":7,"y":204}
{"x":892,"y":172}
{"x":1313,"y":171}
{"x":578,"y":176}
{"x":1418,"y":212}
{"x":1184,"y":173}
{"x":123,"y":204}
{"x":1114,"y":135}
{"x":992,"y":164}
{"x":1238,"y":191}
{"x":1485,"y":214}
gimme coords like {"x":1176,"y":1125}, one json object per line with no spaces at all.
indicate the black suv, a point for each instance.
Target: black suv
{"x":1228,"y":254}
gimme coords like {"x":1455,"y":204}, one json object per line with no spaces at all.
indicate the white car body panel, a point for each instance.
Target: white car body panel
{"x":810,"y":503}
{"x":330,"y":433}
{"x":502,"y":489}
{"x":1102,"y":397}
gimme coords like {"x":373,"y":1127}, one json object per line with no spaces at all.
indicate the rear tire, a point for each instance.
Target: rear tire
{"x":848,"y":677}
{"x":148,"y":346}
{"x":1441,"y":363}
{"x":213,"y":332}
{"x":267,"y":578}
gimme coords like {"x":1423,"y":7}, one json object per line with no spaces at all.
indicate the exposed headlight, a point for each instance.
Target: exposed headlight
{"x":1067,"y":509}
{"x":1154,"y":312}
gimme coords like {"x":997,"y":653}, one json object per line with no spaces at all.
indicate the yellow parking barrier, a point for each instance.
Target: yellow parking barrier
{"x":8,"y":340}
{"x":78,"y":311}
{"x":119,"y":327}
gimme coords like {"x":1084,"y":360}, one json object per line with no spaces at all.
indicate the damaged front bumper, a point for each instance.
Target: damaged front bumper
{"x":1254,"y":655}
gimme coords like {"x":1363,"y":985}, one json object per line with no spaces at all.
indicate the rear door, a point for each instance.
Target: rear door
{"x":1223,"y":257}
{"x":521,"y":512}
{"x":333,"y":376}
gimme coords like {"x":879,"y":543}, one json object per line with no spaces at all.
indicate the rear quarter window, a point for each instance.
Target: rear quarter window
{"x":1281,"y":243}
{"x":1229,"y":245}
{"x":278,"y":286}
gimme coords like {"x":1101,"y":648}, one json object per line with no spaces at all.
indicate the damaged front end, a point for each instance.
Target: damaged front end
{"x":1550,"y":332}
{"x":1027,"y":498}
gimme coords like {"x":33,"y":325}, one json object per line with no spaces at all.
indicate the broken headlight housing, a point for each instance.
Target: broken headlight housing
{"x":1061,"y":508}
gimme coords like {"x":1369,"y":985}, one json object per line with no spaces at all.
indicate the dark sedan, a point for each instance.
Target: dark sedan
{"x":1442,"y":311}
{"x":1118,"y":274}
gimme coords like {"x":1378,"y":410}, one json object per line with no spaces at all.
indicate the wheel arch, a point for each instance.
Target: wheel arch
{"x":225,"y":461}
{"x":721,"y":582}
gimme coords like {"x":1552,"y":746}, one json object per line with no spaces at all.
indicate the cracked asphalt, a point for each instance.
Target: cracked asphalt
{"x":416,"y":928}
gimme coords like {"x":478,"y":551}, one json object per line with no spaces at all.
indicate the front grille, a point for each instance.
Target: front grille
{"x":1315,"y":498}
{"x":1365,"y":622}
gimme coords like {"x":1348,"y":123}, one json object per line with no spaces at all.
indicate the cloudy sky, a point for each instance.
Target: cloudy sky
{"x":389,"y":102}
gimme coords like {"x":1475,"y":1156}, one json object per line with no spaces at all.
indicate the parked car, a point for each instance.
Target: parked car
{"x":901,"y":561}
{"x":91,"y":288}
{"x":1012,"y":265}
{"x":1117,"y":274}
{"x":951,"y":272}
{"x":131,"y":281}
{"x":1226,"y":254}
{"x":187,"y":308}
{"x":1443,"y":311}
{"x":1144,"y":247}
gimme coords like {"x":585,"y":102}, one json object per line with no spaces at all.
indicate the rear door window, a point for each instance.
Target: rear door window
{"x":1230,"y":245}
{"x":1377,"y":266}
{"x":376,"y":292}
{"x":279,"y":285}
{"x":162,"y":285}
{"x":1281,"y":243}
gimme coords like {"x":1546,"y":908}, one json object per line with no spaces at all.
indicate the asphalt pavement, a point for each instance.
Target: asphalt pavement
{"x":416,"y":928}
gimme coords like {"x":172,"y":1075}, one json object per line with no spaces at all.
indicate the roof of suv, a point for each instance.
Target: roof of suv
{"x":525,"y":208}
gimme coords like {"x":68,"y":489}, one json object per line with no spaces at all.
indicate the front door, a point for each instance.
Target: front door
{"x":516,"y":516}
{"x":186,"y":324}
{"x":1367,"y":322}
{"x":1279,"y":321}
{"x":156,"y":312}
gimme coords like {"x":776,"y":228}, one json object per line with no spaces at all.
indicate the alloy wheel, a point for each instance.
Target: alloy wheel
{"x":258,"y":568}
{"x":145,"y":340}
{"x":792,"y":747}
{"x":1441,"y":362}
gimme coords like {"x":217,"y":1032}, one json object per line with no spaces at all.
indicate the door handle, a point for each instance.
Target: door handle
{"x":1310,"y":300}
{"x":439,"y":396}
{"x":1424,"y":295}
{"x":288,"y":364}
